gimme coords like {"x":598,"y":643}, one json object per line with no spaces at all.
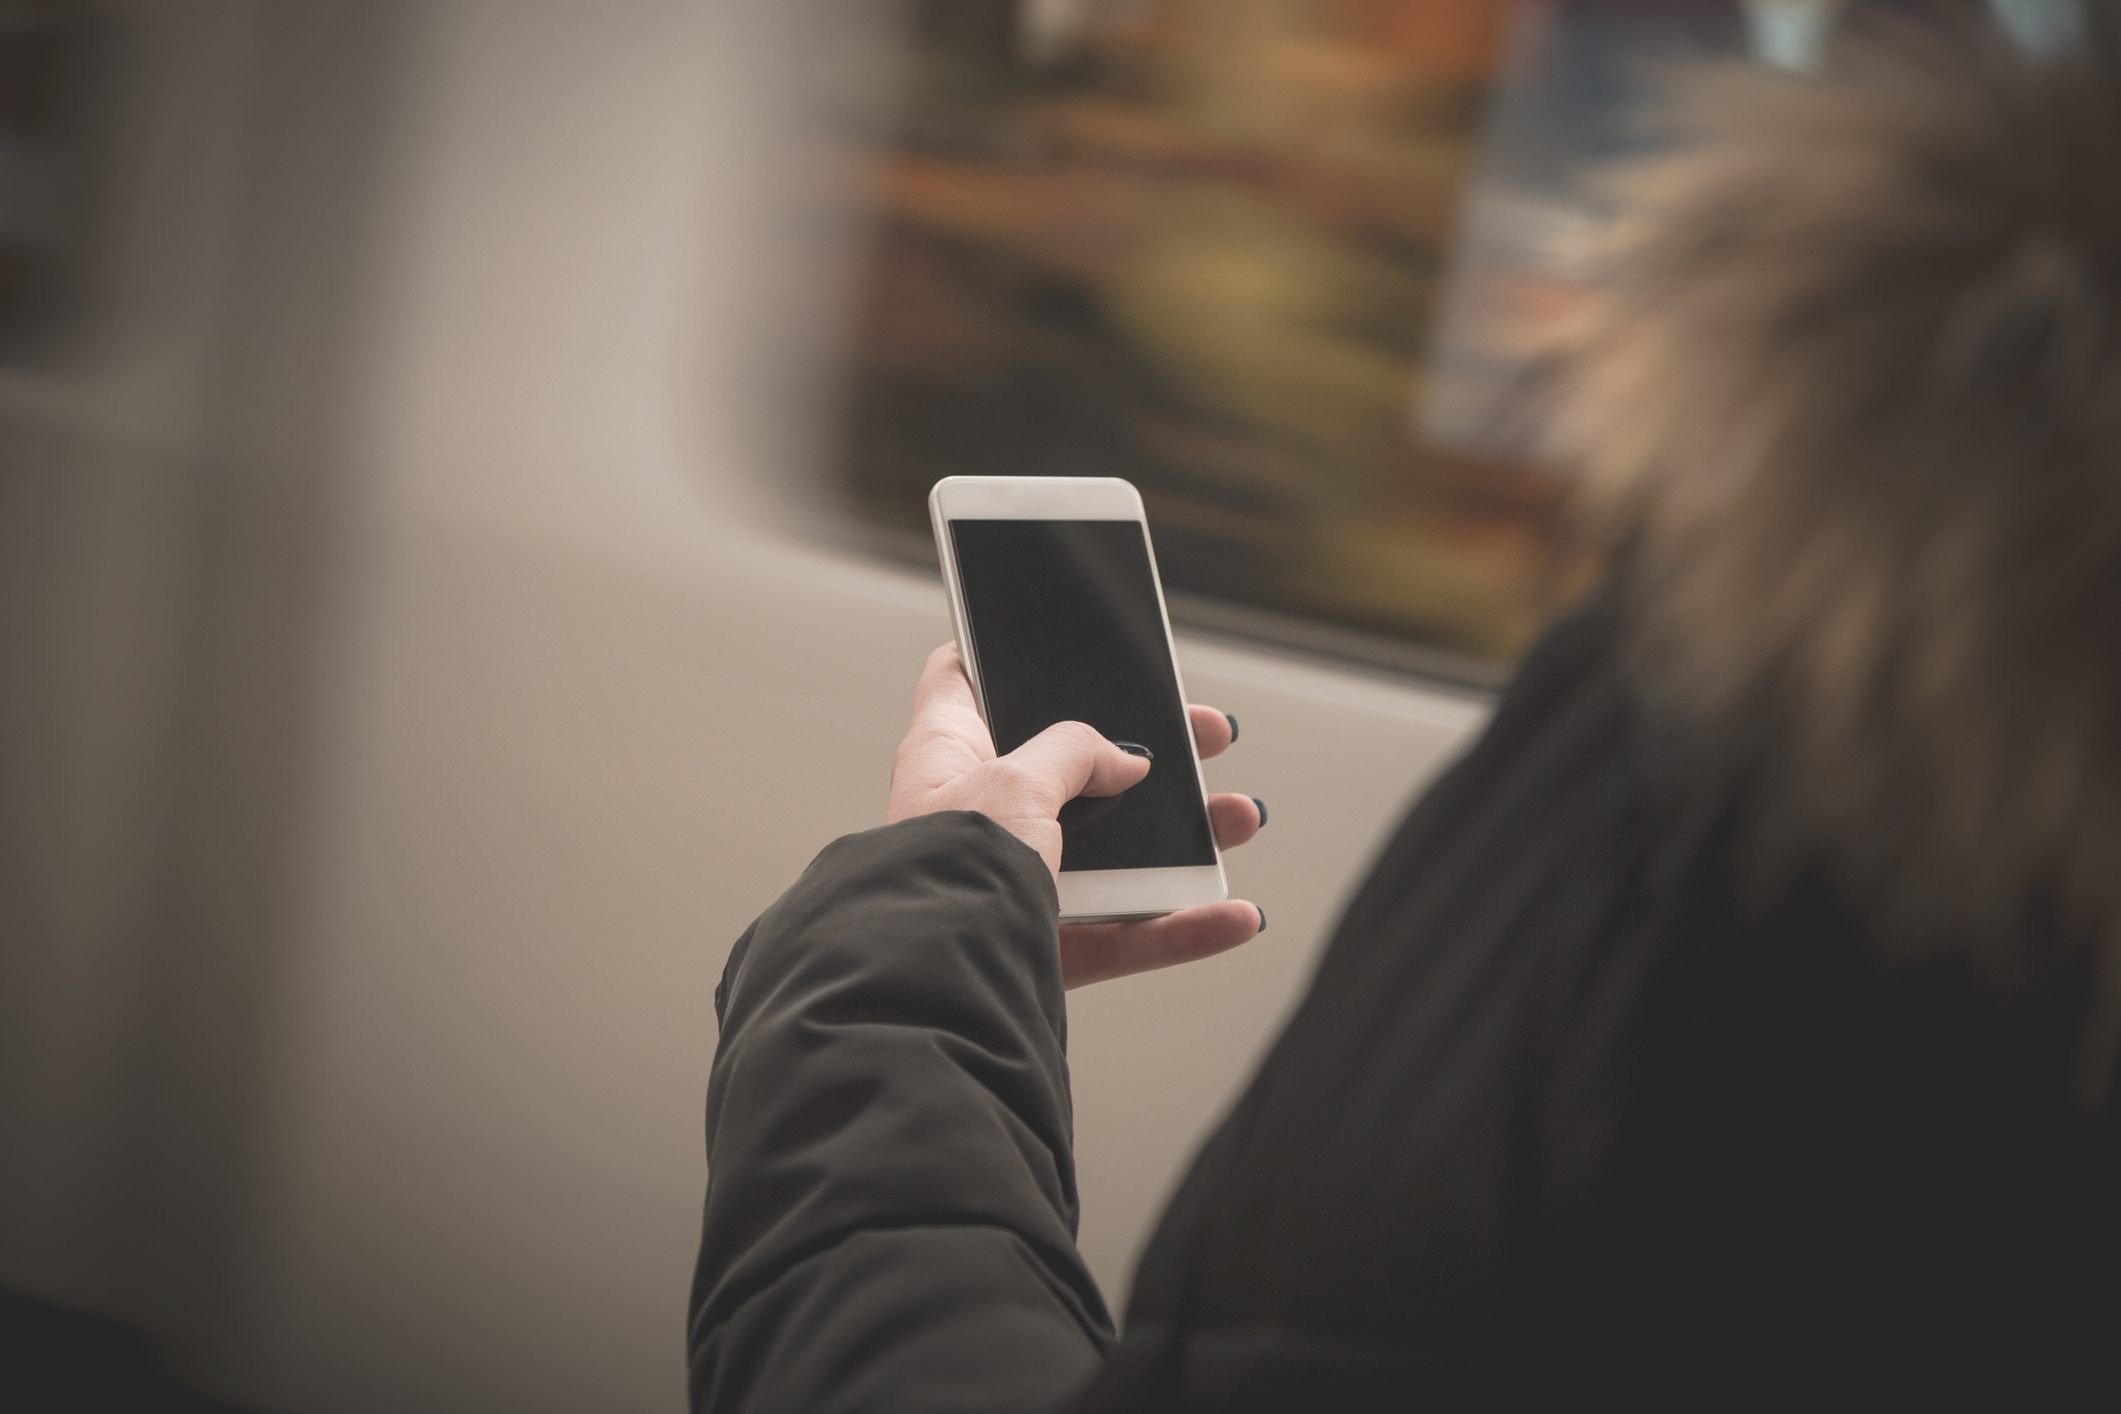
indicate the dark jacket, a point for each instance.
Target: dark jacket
{"x":1577,"y":1109}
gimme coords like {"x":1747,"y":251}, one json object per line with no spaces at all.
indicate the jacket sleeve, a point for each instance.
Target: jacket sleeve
{"x":891,"y":1206}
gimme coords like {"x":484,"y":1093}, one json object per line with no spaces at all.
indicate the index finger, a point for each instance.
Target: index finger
{"x":943,"y":704}
{"x":1213,"y":730}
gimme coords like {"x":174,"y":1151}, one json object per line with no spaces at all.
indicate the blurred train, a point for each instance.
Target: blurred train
{"x":451,"y":580}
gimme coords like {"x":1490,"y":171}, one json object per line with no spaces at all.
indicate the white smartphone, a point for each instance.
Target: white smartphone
{"x":1060,"y":617}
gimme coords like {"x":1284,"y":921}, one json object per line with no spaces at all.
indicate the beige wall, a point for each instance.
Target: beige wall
{"x":589,"y":704}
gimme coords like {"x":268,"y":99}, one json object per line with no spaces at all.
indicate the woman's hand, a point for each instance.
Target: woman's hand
{"x":947,"y":762}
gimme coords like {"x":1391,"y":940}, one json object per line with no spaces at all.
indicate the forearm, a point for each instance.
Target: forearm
{"x":890,"y":1219}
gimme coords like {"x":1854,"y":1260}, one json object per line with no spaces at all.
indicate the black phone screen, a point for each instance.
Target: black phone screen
{"x":1064,"y":620}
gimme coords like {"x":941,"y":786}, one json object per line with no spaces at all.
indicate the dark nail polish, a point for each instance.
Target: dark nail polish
{"x":1261,"y":807}
{"x":1233,"y":727}
{"x":1262,"y":917}
{"x":1135,"y":748}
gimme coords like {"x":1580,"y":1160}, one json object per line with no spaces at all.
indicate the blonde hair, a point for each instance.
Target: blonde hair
{"x":1849,"y":396}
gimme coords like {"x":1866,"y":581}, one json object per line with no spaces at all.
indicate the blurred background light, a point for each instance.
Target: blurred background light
{"x":2042,"y":26}
{"x":1791,"y":34}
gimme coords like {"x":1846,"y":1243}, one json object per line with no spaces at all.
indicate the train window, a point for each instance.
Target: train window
{"x":1277,"y":262}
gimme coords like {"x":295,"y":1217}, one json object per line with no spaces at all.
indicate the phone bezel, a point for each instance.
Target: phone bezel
{"x":1086,"y":895}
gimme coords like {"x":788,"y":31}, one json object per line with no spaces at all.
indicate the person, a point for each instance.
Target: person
{"x":1733,"y":1026}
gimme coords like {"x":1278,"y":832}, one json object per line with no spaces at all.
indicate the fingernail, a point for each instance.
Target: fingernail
{"x":1262,"y":917}
{"x":1261,"y":807}
{"x":1233,"y":727}
{"x":1135,"y":748}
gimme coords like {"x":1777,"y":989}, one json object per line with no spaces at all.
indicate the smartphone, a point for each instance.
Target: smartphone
{"x":1060,"y":617}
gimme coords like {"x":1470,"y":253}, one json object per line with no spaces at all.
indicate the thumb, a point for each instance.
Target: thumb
{"x":1076,"y":759}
